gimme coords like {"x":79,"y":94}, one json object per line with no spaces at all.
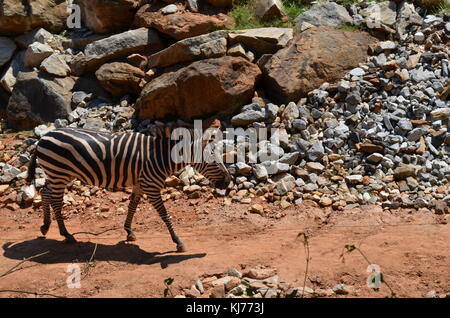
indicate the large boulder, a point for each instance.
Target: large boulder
{"x":120,"y":79}
{"x":109,"y":16}
{"x":37,"y":99}
{"x":115,"y":47}
{"x":7,"y":48}
{"x":191,"y":49}
{"x":17,"y":17}
{"x":181,"y":24}
{"x":203,"y":88}
{"x":262,"y":40}
{"x":329,"y":14}
{"x":313,"y":57}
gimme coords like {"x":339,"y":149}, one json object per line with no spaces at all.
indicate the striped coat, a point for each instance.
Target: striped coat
{"x":113,"y":161}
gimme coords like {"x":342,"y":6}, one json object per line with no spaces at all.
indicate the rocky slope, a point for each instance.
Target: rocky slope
{"x":359,"y":93}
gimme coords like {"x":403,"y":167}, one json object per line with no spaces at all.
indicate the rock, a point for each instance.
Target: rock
{"x":257,"y":208}
{"x":431,"y":294}
{"x":207,"y":86}
{"x":325,"y":201}
{"x":329,"y":14}
{"x":354,"y":179}
{"x":9,"y":173}
{"x":199,"y":286}
{"x":56,"y":65}
{"x":169,"y":9}
{"x":7,"y":49}
{"x":419,"y":37}
{"x":120,"y":79}
{"x":182,"y":24}
{"x":36,"y":53}
{"x":247,"y":117}
{"x":237,"y":50}
{"x":260,"y":273}
{"x":378,"y":14}
{"x":401,"y":173}
{"x":234,"y":272}
{"x":37,"y":99}
{"x":315,"y":152}
{"x":192,"y":5}
{"x":375,"y":158}
{"x":27,"y":194}
{"x":440,"y":114}
{"x":314,"y":166}
{"x":9,"y":76}
{"x":284,"y":183}
{"x":441,"y":207}
{"x":104,"y":16}
{"x":218,"y":291}
{"x":260,"y":172}
{"x":138,"y":60}
{"x":37,"y":35}
{"x":406,"y":16}
{"x":312,"y":59}
{"x":342,"y":289}
{"x":17,"y":18}
{"x":262,"y":40}
{"x":191,"y":49}
{"x":268,"y":9}
{"x":115,"y":47}
{"x":370,"y":148}
{"x":192,"y":293}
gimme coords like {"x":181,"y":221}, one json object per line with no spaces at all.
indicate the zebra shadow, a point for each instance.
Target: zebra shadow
{"x":60,"y":252}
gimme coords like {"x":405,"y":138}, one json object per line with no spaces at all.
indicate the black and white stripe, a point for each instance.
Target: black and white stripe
{"x":113,"y":161}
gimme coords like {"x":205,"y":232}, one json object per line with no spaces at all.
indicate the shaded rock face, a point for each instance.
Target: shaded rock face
{"x":313,"y":57}
{"x":220,"y":3}
{"x":114,"y":47}
{"x":8,"y":77}
{"x":181,"y":24}
{"x":196,"y":48}
{"x":120,"y":79}
{"x":17,"y":18}
{"x":4,"y":98}
{"x":37,"y":99}
{"x":108,"y":16}
{"x":268,"y":9}
{"x":7,"y":48}
{"x":200,"y":89}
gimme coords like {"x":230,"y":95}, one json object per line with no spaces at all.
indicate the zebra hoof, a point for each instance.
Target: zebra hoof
{"x":44,"y":230}
{"x":181,"y":248}
{"x":70,"y":239}
{"x":131,"y":237}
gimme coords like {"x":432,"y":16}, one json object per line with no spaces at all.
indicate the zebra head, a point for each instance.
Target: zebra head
{"x":216,"y":173}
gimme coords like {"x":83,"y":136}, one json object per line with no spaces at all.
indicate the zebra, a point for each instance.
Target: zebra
{"x":115,"y":161}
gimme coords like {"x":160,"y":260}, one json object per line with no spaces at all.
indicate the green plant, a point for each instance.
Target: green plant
{"x":306,"y":246}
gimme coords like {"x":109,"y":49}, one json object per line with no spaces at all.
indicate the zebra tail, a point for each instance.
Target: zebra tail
{"x":32,"y":168}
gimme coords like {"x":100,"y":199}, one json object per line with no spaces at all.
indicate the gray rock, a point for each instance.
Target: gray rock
{"x":36,"y":53}
{"x":329,"y":14}
{"x":378,"y":14}
{"x":9,"y":173}
{"x":38,"y":99}
{"x":262,"y":40}
{"x":191,"y":49}
{"x":55,"y":64}
{"x":246,"y":118}
{"x":260,"y":172}
{"x":315,"y":152}
{"x":9,"y":77}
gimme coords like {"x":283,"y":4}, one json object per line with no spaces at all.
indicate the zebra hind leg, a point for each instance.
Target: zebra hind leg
{"x":134,"y":201}
{"x":46,"y":201}
{"x":57,"y":202}
{"x":158,"y":204}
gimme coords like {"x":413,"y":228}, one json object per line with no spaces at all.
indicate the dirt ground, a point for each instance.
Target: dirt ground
{"x":411,"y":247}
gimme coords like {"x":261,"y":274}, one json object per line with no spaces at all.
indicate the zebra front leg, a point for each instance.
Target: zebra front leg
{"x":155,"y":199}
{"x":134,"y":201}
{"x":57,"y":202}
{"x":46,"y":200}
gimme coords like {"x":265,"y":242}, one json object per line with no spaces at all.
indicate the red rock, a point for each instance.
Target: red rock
{"x":120,"y":79}
{"x":313,"y":57}
{"x":202,"y":88}
{"x":181,"y":24}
